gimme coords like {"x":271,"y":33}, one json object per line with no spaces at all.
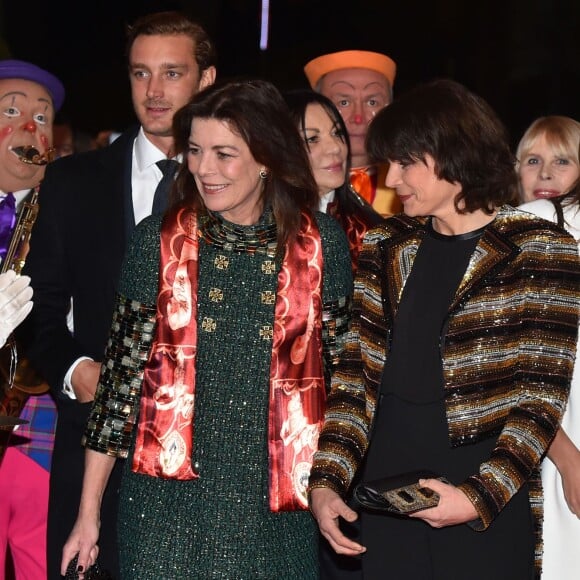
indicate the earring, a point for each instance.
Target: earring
{"x":263,"y":174}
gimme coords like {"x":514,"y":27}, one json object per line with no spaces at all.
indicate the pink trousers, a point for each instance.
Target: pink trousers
{"x":23,"y":513}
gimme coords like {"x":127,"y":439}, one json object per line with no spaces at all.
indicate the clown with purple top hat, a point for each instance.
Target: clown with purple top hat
{"x":29,"y":99}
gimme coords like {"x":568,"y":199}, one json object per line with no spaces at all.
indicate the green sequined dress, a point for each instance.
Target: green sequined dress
{"x":219,"y":525}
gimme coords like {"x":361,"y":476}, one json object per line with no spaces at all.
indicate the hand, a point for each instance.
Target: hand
{"x":82,"y":542}
{"x":85,"y":379}
{"x":326,"y":507}
{"x":15,"y":302}
{"x":454,"y":507}
{"x":566,"y":457}
{"x":571,"y":482}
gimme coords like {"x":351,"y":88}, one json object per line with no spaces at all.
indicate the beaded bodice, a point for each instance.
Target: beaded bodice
{"x":260,"y":238}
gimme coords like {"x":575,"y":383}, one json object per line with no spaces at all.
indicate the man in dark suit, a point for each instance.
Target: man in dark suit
{"x":89,"y":205}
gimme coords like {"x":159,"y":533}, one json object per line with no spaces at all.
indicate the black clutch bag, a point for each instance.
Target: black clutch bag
{"x":95,"y":572}
{"x":398,"y":494}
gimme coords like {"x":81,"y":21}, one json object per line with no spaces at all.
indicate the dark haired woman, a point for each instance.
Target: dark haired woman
{"x":465,"y":318}
{"x":229,"y":317}
{"x":326,"y":138}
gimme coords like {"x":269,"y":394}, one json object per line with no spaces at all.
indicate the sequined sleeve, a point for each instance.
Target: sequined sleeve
{"x":335,"y":321}
{"x":349,"y":408}
{"x":110,"y":425}
{"x":543,"y":344}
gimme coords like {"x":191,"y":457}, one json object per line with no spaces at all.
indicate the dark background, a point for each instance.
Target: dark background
{"x":522,"y":56}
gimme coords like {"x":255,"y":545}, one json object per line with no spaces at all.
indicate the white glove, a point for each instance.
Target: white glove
{"x":15,"y":303}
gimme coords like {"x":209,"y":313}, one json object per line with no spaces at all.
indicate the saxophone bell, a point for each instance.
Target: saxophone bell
{"x":32,"y":156}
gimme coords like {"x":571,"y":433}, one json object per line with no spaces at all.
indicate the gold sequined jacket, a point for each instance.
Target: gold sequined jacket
{"x":508,"y":350}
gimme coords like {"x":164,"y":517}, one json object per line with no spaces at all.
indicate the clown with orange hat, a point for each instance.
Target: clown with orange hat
{"x":360,"y":84}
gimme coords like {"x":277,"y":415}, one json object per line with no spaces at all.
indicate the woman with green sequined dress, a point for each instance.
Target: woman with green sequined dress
{"x":230,"y":315}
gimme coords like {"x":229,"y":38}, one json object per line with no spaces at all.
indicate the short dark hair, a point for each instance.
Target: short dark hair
{"x":256,"y":111}
{"x":171,"y":23}
{"x":460,"y":131}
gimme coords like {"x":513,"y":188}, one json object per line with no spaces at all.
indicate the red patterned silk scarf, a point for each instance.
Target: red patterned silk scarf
{"x":296,"y":409}
{"x":165,"y":428}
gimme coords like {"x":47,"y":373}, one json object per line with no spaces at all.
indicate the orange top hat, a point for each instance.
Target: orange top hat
{"x":326,"y":63}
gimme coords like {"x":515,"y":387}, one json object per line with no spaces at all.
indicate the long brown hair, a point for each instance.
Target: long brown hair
{"x":255,"y":110}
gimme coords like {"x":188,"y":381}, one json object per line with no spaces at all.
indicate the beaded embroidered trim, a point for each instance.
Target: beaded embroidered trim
{"x":260,"y":238}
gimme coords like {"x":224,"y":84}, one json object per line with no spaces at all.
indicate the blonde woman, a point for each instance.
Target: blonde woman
{"x":548,"y":164}
{"x":561,"y":468}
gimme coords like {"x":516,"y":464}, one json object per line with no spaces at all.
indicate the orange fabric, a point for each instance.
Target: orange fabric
{"x":364,"y":183}
{"x":387,"y":202}
{"x":318,"y":67}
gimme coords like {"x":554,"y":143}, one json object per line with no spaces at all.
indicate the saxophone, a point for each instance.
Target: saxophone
{"x":17,"y":378}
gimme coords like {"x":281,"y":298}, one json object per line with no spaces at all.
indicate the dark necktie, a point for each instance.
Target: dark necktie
{"x":168,"y":168}
{"x":7,"y":222}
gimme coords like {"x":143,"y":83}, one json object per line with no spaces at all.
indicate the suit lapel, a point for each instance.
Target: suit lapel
{"x":129,"y":213}
{"x":118,"y":161}
{"x":398,"y":254}
{"x":492,"y":252}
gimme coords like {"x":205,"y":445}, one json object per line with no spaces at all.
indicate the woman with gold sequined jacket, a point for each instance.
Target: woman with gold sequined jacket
{"x":229,"y":318}
{"x":461,"y":352}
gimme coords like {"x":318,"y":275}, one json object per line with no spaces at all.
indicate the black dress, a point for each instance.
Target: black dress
{"x":411,"y":433}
